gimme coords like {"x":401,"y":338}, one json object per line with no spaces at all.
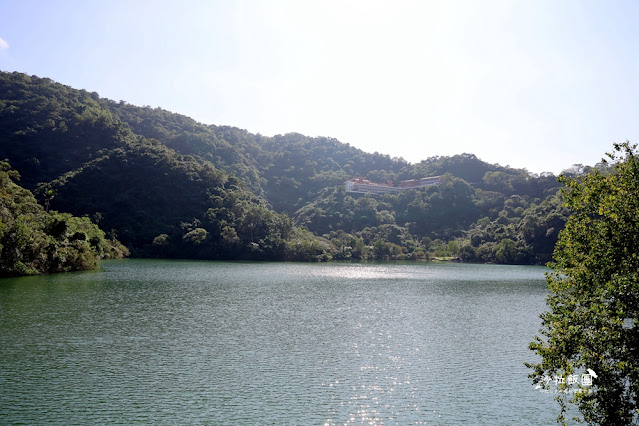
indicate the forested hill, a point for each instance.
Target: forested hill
{"x":288,"y":169}
{"x":34,"y":240}
{"x":154,"y":200}
{"x":167,"y":185}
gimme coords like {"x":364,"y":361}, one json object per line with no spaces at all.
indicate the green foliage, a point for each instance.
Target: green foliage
{"x":145,"y":172}
{"x":521,"y":233}
{"x":483,"y":225}
{"x":235,"y":226}
{"x":34,"y":241}
{"x":593,"y":307}
{"x":304,"y":246}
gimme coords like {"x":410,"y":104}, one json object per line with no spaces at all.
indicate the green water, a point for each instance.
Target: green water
{"x":228,"y":343}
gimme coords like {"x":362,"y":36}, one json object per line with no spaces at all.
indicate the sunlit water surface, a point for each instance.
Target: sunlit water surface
{"x":246,"y":343}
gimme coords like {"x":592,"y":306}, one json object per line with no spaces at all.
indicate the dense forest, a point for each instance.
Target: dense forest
{"x":34,"y":240}
{"x":167,"y":186}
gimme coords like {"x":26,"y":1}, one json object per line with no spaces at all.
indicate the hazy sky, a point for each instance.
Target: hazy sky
{"x":535,"y":84}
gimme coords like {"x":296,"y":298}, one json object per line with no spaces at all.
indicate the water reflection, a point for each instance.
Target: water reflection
{"x":190,"y":342}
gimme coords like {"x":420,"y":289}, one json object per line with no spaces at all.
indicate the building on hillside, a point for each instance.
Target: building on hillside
{"x":418,"y":183}
{"x":365,"y":186}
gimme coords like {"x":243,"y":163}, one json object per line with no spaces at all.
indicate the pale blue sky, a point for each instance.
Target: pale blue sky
{"x":535,"y":84}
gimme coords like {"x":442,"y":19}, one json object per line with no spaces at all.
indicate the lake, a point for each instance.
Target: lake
{"x":244,"y":343}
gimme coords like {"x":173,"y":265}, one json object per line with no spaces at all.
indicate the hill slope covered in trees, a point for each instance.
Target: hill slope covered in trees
{"x":34,"y":241}
{"x":168,"y":186}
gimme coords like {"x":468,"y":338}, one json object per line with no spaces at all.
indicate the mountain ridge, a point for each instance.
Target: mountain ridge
{"x":153,"y":177}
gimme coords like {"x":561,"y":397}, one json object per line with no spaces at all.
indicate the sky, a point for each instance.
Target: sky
{"x":540,"y":84}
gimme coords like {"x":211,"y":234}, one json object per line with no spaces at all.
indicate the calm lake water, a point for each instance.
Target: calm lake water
{"x":245,"y":343}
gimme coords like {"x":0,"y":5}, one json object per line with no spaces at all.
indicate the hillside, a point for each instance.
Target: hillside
{"x":34,"y":240}
{"x":155,"y":200}
{"x":169,"y":186}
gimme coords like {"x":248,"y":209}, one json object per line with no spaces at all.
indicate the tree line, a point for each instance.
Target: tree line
{"x":168,"y":186}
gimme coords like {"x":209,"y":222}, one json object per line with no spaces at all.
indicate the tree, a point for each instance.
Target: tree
{"x":592,"y":320}
{"x":49,"y":195}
